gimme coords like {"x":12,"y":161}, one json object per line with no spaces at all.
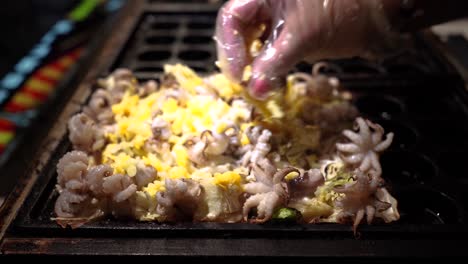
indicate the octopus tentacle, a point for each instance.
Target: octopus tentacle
{"x":261,"y":176}
{"x":375,"y":163}
{"x":378,"y":133}
{"x":353,"y":159}
{"x":163,"y":200}
{"x":363,"y":128}
{"x":359,"y":216}
{"x":144,"y":176}
{"x":126,"y":193}
{"x":350,"y":147}
{"x":354,"y":137}
{"x":366,"y":164}
{"x":250,"y":203}
{"x":262,"y":209}
{"x":121,"y":187}
{"x":279,"y":176}
{"x":197,"y":153}
{"x":385,"y":144}
{"x":267,"y":166}
{"x":370,"y":211}
{"x":325,"y":65}
{"x":256,"y":187}
{"x":381,"y":206}
{"x":267,"y":206}
{"x":68,"y":204}
{"x":95,"y":178}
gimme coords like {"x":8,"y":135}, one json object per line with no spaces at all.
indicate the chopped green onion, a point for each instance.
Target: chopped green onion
{"x":286,"y":215}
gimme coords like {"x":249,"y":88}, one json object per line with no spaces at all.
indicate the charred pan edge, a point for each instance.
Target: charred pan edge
{"x":195,"y":247}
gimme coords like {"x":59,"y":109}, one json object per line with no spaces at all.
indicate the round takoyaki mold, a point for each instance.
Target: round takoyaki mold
{"x":424,"y":166}
{"x":161,"y":40}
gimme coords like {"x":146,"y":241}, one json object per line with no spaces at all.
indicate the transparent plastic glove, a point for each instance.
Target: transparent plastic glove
{"x":291,"y":31}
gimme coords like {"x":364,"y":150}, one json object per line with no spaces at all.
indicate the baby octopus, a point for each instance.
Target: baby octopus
{"x":268,"y":191}
{"x":211,"y":144}
{"x":306,"y":183}
{"x":180,"y":199}
{"x":95,"y":179}
{"x":119,"y":187}
{"x":259,"y":145}
{"x":99,"y":107}
{"x":84,"y":134}
{"x":120,"y":81}
{"x":70,"y":204}
{"x":77,"y":185}
{"x":365,"y":147}
{"x":360,"y":199}
{"x":71,"y":171}
{"x":160,"y":128}
{"x":147,"y":88}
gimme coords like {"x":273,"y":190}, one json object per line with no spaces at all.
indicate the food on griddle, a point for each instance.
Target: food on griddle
{"x":189,"y":148}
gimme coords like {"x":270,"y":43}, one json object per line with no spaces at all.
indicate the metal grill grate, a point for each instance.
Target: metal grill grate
{"x":163,"y":39}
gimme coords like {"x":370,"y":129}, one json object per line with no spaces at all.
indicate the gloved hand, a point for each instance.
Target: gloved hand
{"x":294,"y":30}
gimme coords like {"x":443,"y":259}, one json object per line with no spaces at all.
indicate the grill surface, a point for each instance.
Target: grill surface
{"x":414,"y":94}
{"x":177,"y":38}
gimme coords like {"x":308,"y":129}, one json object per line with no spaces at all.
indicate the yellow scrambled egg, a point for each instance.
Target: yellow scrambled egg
{"x":187,"y":117}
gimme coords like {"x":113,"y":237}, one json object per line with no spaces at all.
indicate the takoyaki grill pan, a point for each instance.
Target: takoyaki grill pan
{"x":414,"y":93}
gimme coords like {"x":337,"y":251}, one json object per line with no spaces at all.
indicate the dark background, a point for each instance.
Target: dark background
{"x":22,"y":24}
